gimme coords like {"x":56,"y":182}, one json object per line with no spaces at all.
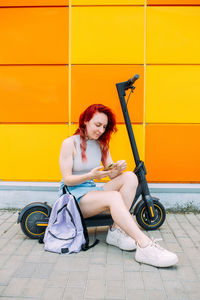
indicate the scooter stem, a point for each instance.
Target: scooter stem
{"x":121,"y":87}
{"x":140,"y":170}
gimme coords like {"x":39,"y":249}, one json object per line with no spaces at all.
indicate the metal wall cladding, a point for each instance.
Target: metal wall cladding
{"x":173,"y":35}
{"x":56,"y":60}
{"x":108,"y":2}
{"x":34,"y":94}
{"x":36,"y":35}
{"x":107,"y":35}
{"x":30,"y":152}
{"x":169,"y":96}
{"x":172,"y":152}
{"x":97,"y":84}
{"x":32,"y":3}
{"x":173,"y":2}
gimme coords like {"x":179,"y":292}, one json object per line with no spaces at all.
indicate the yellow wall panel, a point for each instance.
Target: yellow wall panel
{"x":97,"y":84}
{"x":107,"y":2}
{"x":120,"y":146}
{"x":172,"y":94}
{"x":34,"y":93}
{"x":122,"y":150}
{"x":34,"y":35}
{"x":173,"y":35}
{"x":31,"y":152}
{"x":8,"y":3}
{"x":172,"y":152}
{"x":173,"y":2}
{"x":113,"y":35}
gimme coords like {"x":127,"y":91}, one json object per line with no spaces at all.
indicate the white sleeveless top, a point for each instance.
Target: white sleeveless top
{"x":93,"y":154}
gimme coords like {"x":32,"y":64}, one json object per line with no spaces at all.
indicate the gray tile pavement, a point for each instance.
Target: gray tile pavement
{"x":103,"y":272}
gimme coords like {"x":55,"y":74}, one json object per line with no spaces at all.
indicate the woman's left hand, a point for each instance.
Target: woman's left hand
{"x":120,"y":166}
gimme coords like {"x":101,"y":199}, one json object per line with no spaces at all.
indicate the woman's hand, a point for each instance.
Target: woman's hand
{"x":98,"y":173}
{"x":119,"y":167}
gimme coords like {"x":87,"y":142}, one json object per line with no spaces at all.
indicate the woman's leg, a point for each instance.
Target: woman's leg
{"x":126,"y":184}
{"x":97,"y":201}
{"x":147,"y":251}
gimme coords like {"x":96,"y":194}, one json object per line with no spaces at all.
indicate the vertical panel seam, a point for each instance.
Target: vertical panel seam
{"x":69,"y":69}
{"x":144,"y":101}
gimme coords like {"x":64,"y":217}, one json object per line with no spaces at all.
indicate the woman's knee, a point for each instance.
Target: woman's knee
{"x":115,"y":198}
{"x":130,"y":178}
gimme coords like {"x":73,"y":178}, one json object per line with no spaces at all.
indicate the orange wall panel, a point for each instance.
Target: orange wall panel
{"x":173,"y":2}
{"x":34,"y":93}
{"x":8,"y":3}
{"x":172,"y":152}
{"x":96,"y":84}
{"x":36,"y":35}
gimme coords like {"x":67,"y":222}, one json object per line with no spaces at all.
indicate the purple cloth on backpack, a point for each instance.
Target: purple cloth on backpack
{"x":64,"y":233}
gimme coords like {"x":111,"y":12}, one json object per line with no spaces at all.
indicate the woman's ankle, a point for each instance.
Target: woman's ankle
{"x":143,"y":243}
{"x":114,"y":226}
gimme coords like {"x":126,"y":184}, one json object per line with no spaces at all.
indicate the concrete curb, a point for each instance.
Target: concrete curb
{"x":175,"y":197}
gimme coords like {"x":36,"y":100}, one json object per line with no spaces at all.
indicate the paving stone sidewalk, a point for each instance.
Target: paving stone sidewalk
{"x":103,"y":272}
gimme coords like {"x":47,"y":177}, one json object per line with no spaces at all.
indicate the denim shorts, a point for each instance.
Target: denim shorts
{"x":78,"y":191}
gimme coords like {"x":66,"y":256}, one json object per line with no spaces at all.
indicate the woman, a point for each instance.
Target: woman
{"x":80,"y":162}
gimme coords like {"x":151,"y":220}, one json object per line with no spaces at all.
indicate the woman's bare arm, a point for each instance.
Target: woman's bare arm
{"x":66,"y":165}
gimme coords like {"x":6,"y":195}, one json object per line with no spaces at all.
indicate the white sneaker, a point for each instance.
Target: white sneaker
{"x":155,"y":255}
{"x":120,"y":239}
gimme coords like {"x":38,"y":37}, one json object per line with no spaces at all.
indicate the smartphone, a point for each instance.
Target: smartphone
{"x":109,"y":167}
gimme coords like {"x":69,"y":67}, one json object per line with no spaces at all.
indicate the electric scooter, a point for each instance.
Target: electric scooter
{"x":149,"y":212}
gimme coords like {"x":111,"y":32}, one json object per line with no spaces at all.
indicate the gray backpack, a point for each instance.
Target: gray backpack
{"x":66,"y":231}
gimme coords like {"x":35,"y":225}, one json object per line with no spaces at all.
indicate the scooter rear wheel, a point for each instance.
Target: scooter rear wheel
{"x":142,"y":218}
{"x":30,"y":219}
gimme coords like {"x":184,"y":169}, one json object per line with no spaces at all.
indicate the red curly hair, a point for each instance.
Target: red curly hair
{"x":104,"y":139}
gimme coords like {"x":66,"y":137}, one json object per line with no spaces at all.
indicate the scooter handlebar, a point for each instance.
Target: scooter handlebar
{"x":122,"y":86}
{"x":133,"y":79}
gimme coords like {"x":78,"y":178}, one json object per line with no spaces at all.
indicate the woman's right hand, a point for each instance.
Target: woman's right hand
{"x":97,"y":173}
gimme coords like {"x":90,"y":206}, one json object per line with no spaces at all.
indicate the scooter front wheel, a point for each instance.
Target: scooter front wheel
{"x":30,"y":222}
{"x":143,"y":219}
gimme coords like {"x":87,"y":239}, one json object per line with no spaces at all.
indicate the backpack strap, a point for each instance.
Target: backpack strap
{"x":86,"y":246}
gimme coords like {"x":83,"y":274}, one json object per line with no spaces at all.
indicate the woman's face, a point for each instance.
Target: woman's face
{"x":96,"y":126}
